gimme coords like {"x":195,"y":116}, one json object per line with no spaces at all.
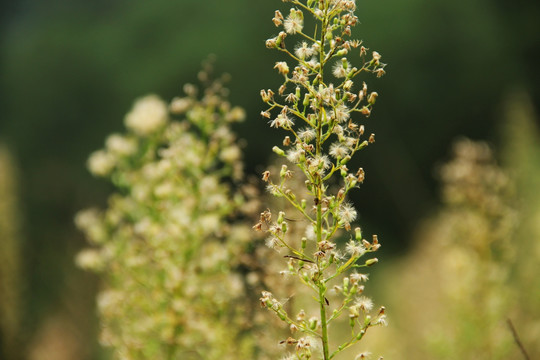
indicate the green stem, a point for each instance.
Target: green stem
{"x":324,"y":324}
{"x":320,"y":282}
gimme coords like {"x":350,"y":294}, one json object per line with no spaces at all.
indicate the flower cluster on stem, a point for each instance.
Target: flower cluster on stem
{"x":168,"y":245}
{"x":316,"y":106}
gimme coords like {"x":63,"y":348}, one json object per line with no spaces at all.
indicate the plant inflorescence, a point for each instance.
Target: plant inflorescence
{"x":316,"y":105}
{"x":168,"y":245}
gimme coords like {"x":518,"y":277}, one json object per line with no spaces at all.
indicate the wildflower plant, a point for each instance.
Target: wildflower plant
{"x":461,"y":268}
{"x":168,"y":246}
{"x":316,"y":106}
{"x":10,"y":257}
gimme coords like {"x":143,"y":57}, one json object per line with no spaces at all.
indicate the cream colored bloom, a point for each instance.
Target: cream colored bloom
{"x":89,"y":259}
{"x":121,"y":145}
{"x":148,"y":114}
{"x":101,"y":163}
{"x":230,"y":154}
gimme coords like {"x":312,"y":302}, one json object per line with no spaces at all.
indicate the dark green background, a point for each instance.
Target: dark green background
{"x":70,"y":70}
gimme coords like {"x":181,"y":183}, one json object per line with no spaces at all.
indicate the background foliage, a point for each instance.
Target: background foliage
{"x":71,"y":69}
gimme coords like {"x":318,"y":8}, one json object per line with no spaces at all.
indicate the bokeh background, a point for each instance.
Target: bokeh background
{"x":70,"y":70}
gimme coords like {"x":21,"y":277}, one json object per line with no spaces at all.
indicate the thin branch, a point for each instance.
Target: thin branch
{"x":517,"y":340}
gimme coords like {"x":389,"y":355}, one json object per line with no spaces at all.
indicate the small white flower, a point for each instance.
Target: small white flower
{"x":282,"y":121}
{"x":356,"y":277}
{"x":121,"y":145}
{"x":89,"y":259}
{"x":364,"y":303}
{"x":355,"y":249}
{"x":236,"y":114}
{"x":230,"y":154}
{"x":341,"y":113}
{"x":147,"y":115}
{"x":382,"y":320}
{"x":341,"y":71}
{"x":101,"y":163}
{"x":338,"y":151}
{"x":313,"y":63}
{"x":362,"y":356}
{"x":303,"y":50}
{"x":307,"y":134}
{"x":320,"y":162}
{"x":180,"y":105}
{"x":282,"y":67}
{"x":294,"y":155}
{"x":347,"y":213}
{"x":294,"y":22}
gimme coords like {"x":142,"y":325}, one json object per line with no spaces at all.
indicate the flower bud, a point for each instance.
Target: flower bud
{"x":365,"y":111}
{"x":358,"y":234}
{"x":283,"y":171}
{"x":306,"y":99}
{"x":287,"y":141}
{"x":278,"y":151}
{"x":371,"y":262}
{"x":372,"y":98}
{"x":345,"y":160}
{"x":313,"y":323}
{"x":271,"y":43}
{"x":281,"y":217}
{"x":282,"y":67}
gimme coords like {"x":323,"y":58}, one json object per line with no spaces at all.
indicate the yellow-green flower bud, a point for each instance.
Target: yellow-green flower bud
{"x":278,"y":151}
{"x":283,"y":171}
{"x":371,"y":262}
{"x":358,"y":234}
{"x":306,"y":99}
{"x":281,"y":217}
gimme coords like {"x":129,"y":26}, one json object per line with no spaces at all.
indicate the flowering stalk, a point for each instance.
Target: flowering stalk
{"x":167,"y":247}
{"x":321,"y":148}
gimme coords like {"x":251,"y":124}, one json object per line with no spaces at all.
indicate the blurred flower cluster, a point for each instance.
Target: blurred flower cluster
{"x":10,"y":258}
{"x":169,"y":245}
{"x":470,"y":275}
{"x":473,"y":237}
{"x":322,"y":137}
